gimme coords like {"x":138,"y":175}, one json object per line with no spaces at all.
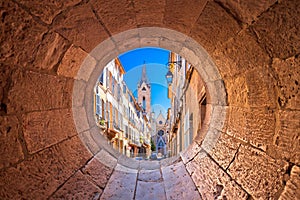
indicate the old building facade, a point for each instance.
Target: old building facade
{"x":188,"y":99}
{"x":118,"y":113}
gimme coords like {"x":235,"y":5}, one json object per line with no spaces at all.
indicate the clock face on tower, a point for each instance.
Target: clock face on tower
{"x":160,"y":133}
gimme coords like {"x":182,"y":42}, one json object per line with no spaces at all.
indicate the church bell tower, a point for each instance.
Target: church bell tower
{"x":144,"y":92}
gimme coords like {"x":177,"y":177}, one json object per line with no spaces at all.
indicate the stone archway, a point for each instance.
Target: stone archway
{"x":256,"y":54}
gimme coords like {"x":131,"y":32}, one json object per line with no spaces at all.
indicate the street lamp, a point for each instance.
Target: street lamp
{"x":169,"y":75}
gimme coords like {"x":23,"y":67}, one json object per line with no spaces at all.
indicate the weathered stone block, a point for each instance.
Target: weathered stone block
{"x":31,"y":91}
{"x":46,"y":11}
{"x":10,"y":148}
{"x":44,"y":129}
{"x":224,"y":150}
{"x":178,"y":183}
{"x":81,"y":27}
{"x":288,"y":72}
{"x":260,"y":175}
{"x":110,"y":12}
{"x":247,"y":11}
{"x":253,"y":125}
{"x":97,"y":172}
{"x":105,"y":158}
{"x":237,"y":90}
{"x":71,"y":62}
{"x":291,"y":190}
{"x":121,"y":185}
{"x":286,"y":141}
{"x":79,"y":115}
{"x":277,"y":30}
{"x":41,"y":175}
{"x":50,"y":52}
{"x":150,"y":190}
{"x":261,"y":88}
{"x":180,"y":15}
{"x":211,"y":31}
{"x":89,"y":142}
{"x":77,"y":187}
{"x":211,"y":181}
{"x":150,"y":175}
{"x":244,"y":47}
{"x":19,"y":30}
{"x":149,"y":13}
{"x":190,"y":152}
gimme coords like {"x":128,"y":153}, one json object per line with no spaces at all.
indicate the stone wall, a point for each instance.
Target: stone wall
{"x":255,"y":46}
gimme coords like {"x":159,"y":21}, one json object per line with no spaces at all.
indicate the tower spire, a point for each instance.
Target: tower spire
{"x":144,"y":77}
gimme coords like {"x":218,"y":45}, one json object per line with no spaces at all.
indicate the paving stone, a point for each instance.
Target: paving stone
{"x":203,"y":30}
{"x":291,"y":190}
{"x":247,"y":11}
{"x":97,"y":172}
{"x":121,"y":185}
{"x":150,"y":190}
{"x":260,"y":175}
{"x":105,"y":158}
{"x":47,"y":127}
{"x":150,"y":175}
{"x":46,"y":11}
{"x":211,"y":181}
{"x":110,"y":12}
{"x":77,"y":187}
{"x":17,"y":26}
{"x":178,"y":183}
{"x":46,"y":91}
{"x":128,"y":162}
{"x":11,"y":148}
{"x":149,"y":165}
{"x":41,"y":175}
{"x":80,"y":26}
{"x":288,"y":73}
{"x":280,"y":36}
{"x":179,"y":15}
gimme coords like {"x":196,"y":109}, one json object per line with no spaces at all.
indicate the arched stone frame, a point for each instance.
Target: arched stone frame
{"x":92,"y":67}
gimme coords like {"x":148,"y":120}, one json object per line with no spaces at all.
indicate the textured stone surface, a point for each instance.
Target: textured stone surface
{"x":50,"y":52}
{"x":46,"y":11}
{"x":203,"y":30}
{"x":81,"y":27}
{"x":149,"y":13}
{"x":49,"y":92}
{"x":150,"y":175}
{"x":179,"y":15}
{"x":178,"y":183}
{"x":224,"y":150}
{"x":281,"y":35}
{"x":121,"y":185}
{"x":260,"y":175}
{"x":70,"y":64}
{"x":247,"y":11}
{"x":211,"y":181}
{"x":286,"y":141}
{"x":43,"y":129}
{"x":10,"y":148}
{"x":150,"y":190}
{"x":110,"y":12}
{"x":240,"y":54}
{"x":89,"y":142}
{"x":291,"y":190}
{"x":256,"y":125}
{"x":107,"y":159}
{"x":16,"y":27}
{"x":97,"y":172}
{"x":77,"y":187}
{"x":288,"y":72}
{"x":40,"y":176}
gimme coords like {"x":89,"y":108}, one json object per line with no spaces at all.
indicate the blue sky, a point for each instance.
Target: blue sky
{"x":155,"y":60}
